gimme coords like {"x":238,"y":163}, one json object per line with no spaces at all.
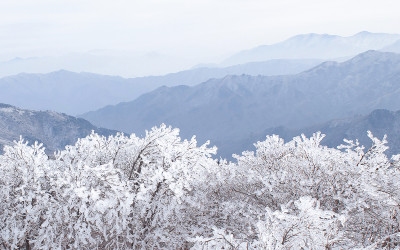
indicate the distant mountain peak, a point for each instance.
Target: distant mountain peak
{"x":371,"y":53}
{"x":364,"y":33}
{"x":62,"y":72}
{"x":365,"y":59}
{"x":374,"y":55}
{"x":312,"y":36}
{"x":313,"y":45}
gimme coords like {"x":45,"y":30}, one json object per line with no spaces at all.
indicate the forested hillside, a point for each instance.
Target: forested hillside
{"x":54,"y":130}
{"x":379,"y":122}
{"x":235,"y":107}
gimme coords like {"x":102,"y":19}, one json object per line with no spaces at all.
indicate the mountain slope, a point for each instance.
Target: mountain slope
{"x":53,"y":129}
{"x":379,"y":122}
{"x":77,"y":93}
{"x":395,"y":47}
{"x":236,"y":106}
{"x":321,"y":46}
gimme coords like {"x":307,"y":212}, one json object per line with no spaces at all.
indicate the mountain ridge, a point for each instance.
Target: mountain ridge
{"x":54,"y":130}
{"x":312,"y":45}
{"x":236,"y":106}
{"x":380,"y":122}
{"x":77,"y":93}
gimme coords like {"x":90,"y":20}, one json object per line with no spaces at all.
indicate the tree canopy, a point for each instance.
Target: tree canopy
{"x":127,"y":192}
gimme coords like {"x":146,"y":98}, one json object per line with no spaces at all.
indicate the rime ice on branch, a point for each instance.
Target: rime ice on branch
{"x":125,"y":192}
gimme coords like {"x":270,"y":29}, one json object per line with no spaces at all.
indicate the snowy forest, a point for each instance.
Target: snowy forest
{"x":161,"y":192}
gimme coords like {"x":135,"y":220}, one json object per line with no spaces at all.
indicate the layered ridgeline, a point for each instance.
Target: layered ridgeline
{"x":380,"y":122}
{"x":53,"y":129}
{"x":238,"y":106}
{"x":128,"y":64}
{"x":77,"y":93}
{"x":323,"y":46}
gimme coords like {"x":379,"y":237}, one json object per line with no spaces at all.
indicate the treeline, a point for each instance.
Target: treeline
{"x":159,"y":192}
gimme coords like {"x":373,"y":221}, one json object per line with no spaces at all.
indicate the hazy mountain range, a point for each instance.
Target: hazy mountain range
{"x":272,"y":88}
{"x":237,"y":106}
{"x":53,"y":129}
{"x":133,"y":64}
{"x":106,"y":62}
{"x":77,"y":93}
{"x":322,"y":46}
{"x":58,"y":130}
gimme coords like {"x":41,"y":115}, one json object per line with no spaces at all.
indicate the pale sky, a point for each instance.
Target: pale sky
{"x":184,"y":28}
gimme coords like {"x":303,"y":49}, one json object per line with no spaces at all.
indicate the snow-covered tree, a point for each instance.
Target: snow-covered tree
{"x":301,"y":224}
{"x":25,"y":193}
{"x":127,"y":192}
{"x":351,"y":182}
{"x":107,"y":193}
